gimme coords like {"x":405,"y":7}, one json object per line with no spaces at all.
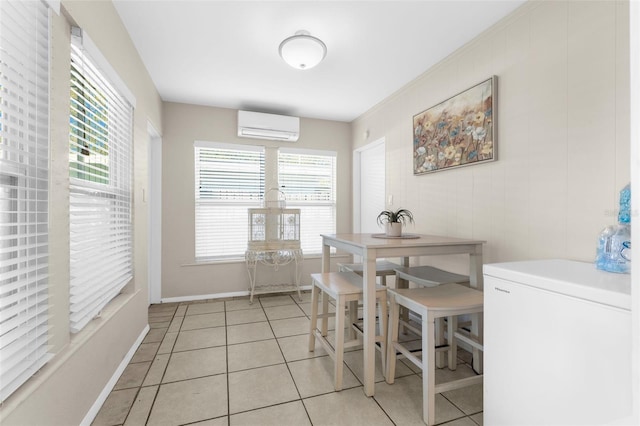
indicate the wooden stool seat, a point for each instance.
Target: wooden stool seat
{"x":432,"y":303}
{"x":428,"y":276}
{"x":344,"y":287}
{"x":384,"y":268}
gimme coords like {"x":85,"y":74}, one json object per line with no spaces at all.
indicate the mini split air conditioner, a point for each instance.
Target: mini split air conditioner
{"x":268,"y":126}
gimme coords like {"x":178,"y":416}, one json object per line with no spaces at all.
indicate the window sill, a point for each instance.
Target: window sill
{"x":241,"y":260}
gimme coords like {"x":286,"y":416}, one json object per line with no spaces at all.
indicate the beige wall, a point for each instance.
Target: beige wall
{"x":184,"y":124}
{"x":63,"y":392}
{"x":563,"y":129}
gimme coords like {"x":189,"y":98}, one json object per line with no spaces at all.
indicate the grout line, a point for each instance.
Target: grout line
{"x":155,"y":397}
{"x":284,"y":358}
{"x":226,"y":341}
{"x":286,"y":363}
{"x":147,"y":373}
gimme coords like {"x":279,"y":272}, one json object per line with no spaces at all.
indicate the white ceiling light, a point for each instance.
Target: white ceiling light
{"x":302,"y":51}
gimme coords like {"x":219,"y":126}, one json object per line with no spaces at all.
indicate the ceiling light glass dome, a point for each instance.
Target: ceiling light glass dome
{"x":302,"y":51}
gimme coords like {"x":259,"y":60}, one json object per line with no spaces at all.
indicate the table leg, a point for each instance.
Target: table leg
{"x":369,"y":314}
{"x":326,"y":267}
{"x":477,"y":326}
{"x":326,"y":258}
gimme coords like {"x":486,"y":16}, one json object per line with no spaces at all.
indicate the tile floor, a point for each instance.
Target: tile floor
{"x":226,"y":362}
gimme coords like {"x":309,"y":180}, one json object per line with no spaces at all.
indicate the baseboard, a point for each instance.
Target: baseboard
{"x":93,"y":411}
{"x":216,"y":296}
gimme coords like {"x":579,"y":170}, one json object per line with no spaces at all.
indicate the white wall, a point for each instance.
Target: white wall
{"x":64,"y":390}
{"x":184,"y":124}
{"x":563,"y":130}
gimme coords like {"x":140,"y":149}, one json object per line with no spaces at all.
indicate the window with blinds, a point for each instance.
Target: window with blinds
{"x":229,"y":179}
{"x":24,"y":173}
{"x":308,"y":180}
{"x":100,"y":141}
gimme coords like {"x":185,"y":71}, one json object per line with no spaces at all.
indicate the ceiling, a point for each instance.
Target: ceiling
{"x":225,"y":53}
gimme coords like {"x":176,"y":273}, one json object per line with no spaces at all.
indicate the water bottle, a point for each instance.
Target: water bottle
{"x":603,"y":251}
{"x":624,"y":215}
{"x":613,"y":253}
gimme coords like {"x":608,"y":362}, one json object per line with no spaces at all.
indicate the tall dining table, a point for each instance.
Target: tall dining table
{"x":374,"y":246}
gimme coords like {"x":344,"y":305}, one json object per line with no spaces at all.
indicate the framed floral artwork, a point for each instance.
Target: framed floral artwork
{"x":459,"y":131}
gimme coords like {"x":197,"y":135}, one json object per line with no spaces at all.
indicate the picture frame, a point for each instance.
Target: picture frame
{"x":459,"y":131}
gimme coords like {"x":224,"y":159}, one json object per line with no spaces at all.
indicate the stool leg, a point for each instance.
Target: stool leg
{"x":392,"y":336}
{"x":314,"y":317}
{"x":428,"y":368}
{"x":404,"y":312}
{"x":452,"y":326}
{"x":383,"y":325}
{"x":353,"y":318}
{"x":439,"y":323}
{"x":339,"y":343}
{"x":325,"y":310}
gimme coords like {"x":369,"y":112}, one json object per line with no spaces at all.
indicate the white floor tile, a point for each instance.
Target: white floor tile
{"x":315,"y":376}
{"x":254,"y":354}
{"x":257,"y":370}
{"x":348,"y":407}
{"x":196,"y":363}
{"x":248,"y":332}
{"x":190,"y":401}
{"x":289,"y":414}
{"x":260,"y":387}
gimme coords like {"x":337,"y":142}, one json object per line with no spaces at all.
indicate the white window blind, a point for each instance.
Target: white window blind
{"x":24,"y":164}
{"x":308,"y":179}
{"x":100,"y":141}
{"x":229,"y":179}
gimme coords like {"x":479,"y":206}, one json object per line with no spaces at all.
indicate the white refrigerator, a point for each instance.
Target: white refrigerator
{"x":557,"y":340}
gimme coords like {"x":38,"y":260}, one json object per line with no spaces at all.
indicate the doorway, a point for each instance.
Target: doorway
{"x":369,"y":186}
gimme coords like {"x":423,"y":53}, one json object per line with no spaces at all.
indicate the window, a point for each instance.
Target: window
{"x":24,"y":174}
{"x":308,"y":179}
{"x":100,"y":140}
{"x":229,"y":179}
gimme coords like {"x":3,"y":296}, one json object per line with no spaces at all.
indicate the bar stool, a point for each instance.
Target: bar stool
{"x":344,"y":287}
{"x":446,"y":300}
{"x":428,"y":276}
{"x":384,"y":268}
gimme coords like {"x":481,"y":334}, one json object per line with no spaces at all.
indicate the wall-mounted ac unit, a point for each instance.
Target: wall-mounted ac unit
{"x":268,"y":126}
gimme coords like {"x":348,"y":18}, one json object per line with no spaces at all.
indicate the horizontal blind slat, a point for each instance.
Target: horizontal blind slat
{"x":309,"y":182}
{"x":228,"y":182}
{"x":100,"y":139}
{"x":24,"y":170}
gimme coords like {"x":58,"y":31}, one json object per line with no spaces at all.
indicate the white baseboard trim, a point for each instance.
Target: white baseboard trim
{"x":93,"y":411}
{"x":216,"y":296}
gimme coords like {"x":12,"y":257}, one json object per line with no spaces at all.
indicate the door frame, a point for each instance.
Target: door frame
{"x":357,"y":185}
{"x":154,"y":215}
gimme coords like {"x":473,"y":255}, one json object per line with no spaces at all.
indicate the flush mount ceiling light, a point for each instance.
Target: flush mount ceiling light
{"x":302,"y":50}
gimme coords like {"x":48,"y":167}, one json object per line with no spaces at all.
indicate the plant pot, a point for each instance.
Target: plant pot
{"x":393,"y":229}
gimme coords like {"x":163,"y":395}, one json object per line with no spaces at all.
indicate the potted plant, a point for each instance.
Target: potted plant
{"x":394,"y":220}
